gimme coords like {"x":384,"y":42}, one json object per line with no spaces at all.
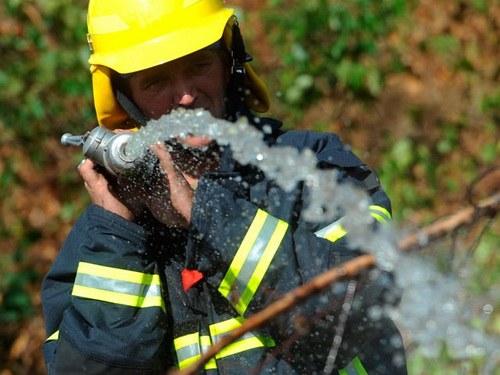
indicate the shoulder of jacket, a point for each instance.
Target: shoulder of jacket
{"x":328,"y":147}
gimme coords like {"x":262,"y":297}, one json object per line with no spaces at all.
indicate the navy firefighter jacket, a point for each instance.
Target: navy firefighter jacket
{"x":130,"y":298}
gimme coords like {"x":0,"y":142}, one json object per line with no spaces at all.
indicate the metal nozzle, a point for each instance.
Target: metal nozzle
{"x":106,"y":148}
{"x":69,"y":139}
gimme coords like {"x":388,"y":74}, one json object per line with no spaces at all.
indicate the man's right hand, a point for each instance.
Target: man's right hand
{"x":108,"y":196}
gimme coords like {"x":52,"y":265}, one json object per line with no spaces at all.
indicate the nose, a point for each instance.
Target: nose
{"x":186,"y":100}
{"x":184,"y":94}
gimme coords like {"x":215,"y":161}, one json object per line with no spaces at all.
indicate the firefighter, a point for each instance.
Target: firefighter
{"x":143,"y":285}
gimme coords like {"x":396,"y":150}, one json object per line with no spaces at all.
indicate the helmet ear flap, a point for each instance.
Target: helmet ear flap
{"x":256,"y":95}
{"x":110,"y":113}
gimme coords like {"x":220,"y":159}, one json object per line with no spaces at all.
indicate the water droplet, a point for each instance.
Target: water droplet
{"x":488,"y":309}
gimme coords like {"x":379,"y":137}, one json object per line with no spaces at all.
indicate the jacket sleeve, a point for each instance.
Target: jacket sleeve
{"x":252,"y":257}
{"x":102,"y":300}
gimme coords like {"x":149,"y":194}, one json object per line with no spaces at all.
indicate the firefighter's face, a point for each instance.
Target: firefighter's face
{"x":198,"y":80}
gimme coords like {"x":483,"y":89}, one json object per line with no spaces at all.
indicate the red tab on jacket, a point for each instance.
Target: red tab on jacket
{"x":189,"y":278}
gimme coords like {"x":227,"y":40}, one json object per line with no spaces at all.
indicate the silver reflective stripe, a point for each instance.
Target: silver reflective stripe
{"x":247,"y":342}
{"x":246,"y":336}
{"x":188,"y":352}
{"x":323,"y":232}
{"x":380,"y":213}
{"x":187,"y":349}
{"x":118,"y":286}
{"x":335,"y":231}
{"x":252,"y":260}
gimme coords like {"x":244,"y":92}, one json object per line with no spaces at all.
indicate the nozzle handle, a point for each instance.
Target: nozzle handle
{"x":69,"y":139}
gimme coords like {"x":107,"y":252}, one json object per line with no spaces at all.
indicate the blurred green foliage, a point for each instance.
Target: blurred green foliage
{"x":332,"y":44}
{"x":44,"y":87}
{"x":44,"y":91}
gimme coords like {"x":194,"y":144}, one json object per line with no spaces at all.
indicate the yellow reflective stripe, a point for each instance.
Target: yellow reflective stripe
{"x":54,"y":336}
{"x":380,"y":213}
{"x":114,"y":285}
{"x":188,"y":361}
{"x":118,"y":274}
{"x":211,"y":364}
{"x":335,"y":231}
{"x":354,"y":368}
{"x":225,"y":326}
{"x":336,"y":234}
{"x":117,"y":298}
{"x":262,"y":267}
{"x":247,"y":342}
{"x":359,"y":366}
{"x":192,"y":338}
{"x":206,"y":343}
{"x":244,"y":345}
{"x":332,"y":232}
{"x":242,"y":253}
{"x":252,"y":260}
{"x":189,"y":349}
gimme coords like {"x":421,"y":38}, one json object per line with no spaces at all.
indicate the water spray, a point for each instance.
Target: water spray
{"x":434,"y":322}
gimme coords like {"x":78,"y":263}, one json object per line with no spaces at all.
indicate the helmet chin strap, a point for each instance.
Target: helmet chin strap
{"x":236,"y":92}
{"x":131,"y":108}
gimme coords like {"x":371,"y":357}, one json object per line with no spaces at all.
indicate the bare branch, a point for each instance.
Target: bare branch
{"x":488,"y":207}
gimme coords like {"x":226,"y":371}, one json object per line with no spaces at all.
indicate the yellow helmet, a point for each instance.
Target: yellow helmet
{"x":130,"y":35}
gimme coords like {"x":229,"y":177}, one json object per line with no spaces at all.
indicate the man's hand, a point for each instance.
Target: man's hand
{"x":176,"y":209}
{"x":108,"y":196}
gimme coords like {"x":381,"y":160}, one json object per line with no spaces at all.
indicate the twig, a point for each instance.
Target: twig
{"x":487,"y":207}
{"x":347,"y":270}
{"x":337,"y":340}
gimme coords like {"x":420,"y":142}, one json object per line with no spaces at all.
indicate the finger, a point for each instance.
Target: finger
{"x":166,"y":162}
{"x":195,"y":142}
{"x":181,"y":193}
{"x":86,"y":170}
{"x":93,"y":179}
{"x":85,"y":166}
{"x":176,"y":179}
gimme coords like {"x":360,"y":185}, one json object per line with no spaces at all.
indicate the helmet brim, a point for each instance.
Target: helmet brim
{"x":166,"y":47}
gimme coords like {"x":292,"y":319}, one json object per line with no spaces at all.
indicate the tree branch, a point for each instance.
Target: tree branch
{"x":468,"y":216}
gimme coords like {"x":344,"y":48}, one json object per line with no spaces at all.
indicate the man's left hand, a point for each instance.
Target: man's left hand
{"x":179,"y":188}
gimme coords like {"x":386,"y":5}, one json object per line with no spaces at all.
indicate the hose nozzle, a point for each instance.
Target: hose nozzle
{"x":69,"y":139}
{"x":104,"y":147}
